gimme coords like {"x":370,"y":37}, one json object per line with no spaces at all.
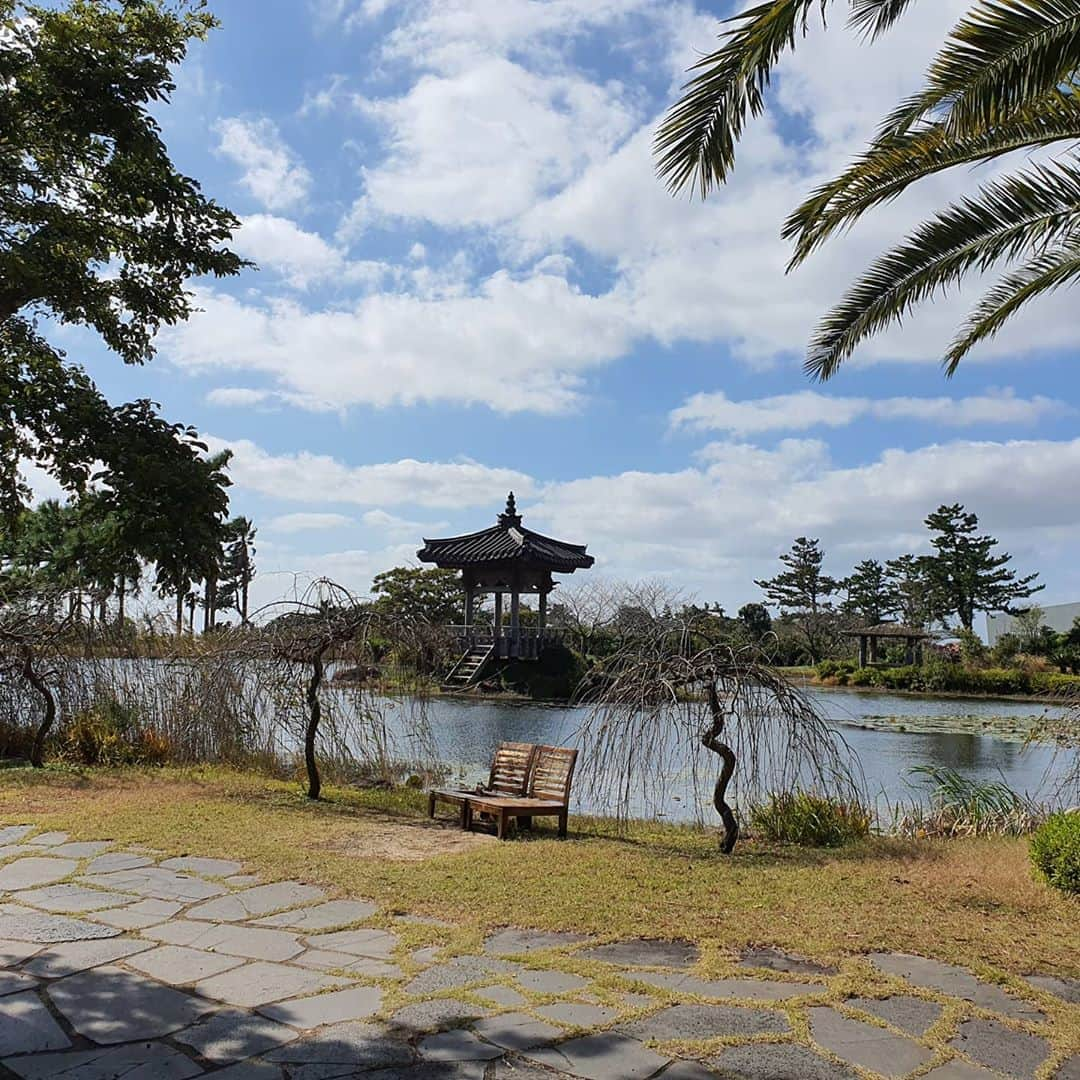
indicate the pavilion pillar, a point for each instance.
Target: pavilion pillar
{"x":862,"y":650}
{"x":515,"y":620}
{"x":541,"y":618}
{"x":470,"y":598}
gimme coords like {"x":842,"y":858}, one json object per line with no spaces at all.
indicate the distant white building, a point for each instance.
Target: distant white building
{"x":1058,"y":617}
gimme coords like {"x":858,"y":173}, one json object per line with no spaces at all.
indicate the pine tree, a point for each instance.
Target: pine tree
{"x":802,"y":593}
{"x":965,"y":575}
{"x":870,"y":595}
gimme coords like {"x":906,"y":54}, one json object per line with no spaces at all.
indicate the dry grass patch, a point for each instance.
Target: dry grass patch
{"x":972,"y":901}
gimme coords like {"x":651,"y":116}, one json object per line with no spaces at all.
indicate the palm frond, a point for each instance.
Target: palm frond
{"x":892,"y":164}
{"x":1006,"y":220}
{"x":874,"y":17}
{"x":695,"y":144}
{"x":1044,"y":273}
{"x":999,"y":59}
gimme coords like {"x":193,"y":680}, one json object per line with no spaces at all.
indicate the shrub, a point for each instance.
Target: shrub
{"x":1055,"y":851}
{"x":108,"y":733}
{"x":962,"y":806}
{"x":803,"y":817}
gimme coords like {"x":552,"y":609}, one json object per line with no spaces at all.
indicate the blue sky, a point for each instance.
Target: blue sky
{"x":471,"y":280}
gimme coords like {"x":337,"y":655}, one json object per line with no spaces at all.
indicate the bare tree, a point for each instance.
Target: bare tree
{"x":666,"y":698}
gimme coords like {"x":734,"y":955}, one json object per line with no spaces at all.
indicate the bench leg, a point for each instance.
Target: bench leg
{"x":503,"y":825}
{"x":466,"y":814}
{"x":564,"y":817}
{"x":431,"y":805}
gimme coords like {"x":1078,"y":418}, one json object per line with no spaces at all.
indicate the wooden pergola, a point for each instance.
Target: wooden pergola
{"x":870,"y":636}
{"x":506,"y":560}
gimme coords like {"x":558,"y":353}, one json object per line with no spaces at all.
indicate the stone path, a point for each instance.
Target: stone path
{"x":115,"y":964}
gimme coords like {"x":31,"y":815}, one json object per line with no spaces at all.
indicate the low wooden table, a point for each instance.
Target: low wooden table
{"x":502,"y":809}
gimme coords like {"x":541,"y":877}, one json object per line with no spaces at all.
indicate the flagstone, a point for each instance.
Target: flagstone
{"x":33,"y":871}
{"x":605,"y":1056}
{"x":205,"y":867}
{"x":243,"y":879}
{"x":357,"y":1003}
{"x":865,"y":1044}
{"x":550,"y":982}
{"x":15,"y":952}
{"x":177,"y":965}
{"x":957,"y":981}
{"x":11,"y":982}
{"x":685,"y":1022}
{"x":252,"y":1070}
{"x":689,"y":1070}
{"x":961,"y":1070}
{"x":70,"y":957}
{"x":157,"y":883}
{"x":501,"y":995}
{"x":80,"y":849}
{"x":139,"y":915}
{"x":323,"y":960}
{"x":512,"y":942}
{"x":777,"y":960}
{"x":440,"y":1013}
{"x":358,"y":1045}
{"x":910,"y":1014}
{"x":1064,"y":988}
{"x":110,"y":1005}
{"x":1013,"y":1053}
{"x":260,"y":900}
{"x":46,"y":929}
{"x":517,"y":1031}
{"x":645,"y":952}
{"x":141,"y":1061}
{"x":321,"y":917}
{"x":748,"y":989}
{"x":27,"y":1027}
{"x":457,"y":1046}
{"x":48,"y":839}
{"x":70,"y":899}
{"x":234,"y":1034}
{"x":577,"y":1014}
{"x":260,"y":983}
{"x":117,"y":860}
{"x":776,"y":1061}
{"x":246,"y":941}
{"x":12,"y":834}
{"x":459,"y":972}
{"x":379,"y":944}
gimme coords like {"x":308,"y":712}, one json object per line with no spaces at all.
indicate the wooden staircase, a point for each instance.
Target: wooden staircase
{"x":467,"y":670}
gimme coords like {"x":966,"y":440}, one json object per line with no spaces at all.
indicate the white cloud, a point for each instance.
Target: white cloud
{"x":272,"y":172}
{"x":514,"y":344}
{"x":295,"y":523}
{"x":808,"y":409}
{"x":317,"y":478}
{"x":241,"y":397}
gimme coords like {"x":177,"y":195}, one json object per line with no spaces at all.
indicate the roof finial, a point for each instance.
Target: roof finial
{"x":510,"y":517}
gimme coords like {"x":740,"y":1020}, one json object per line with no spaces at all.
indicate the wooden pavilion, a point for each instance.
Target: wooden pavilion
{"x":870,"y":638}
{"x":506,"y":560}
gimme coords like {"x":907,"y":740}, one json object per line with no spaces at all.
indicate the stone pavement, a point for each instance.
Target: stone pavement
{"x":115,"y":964}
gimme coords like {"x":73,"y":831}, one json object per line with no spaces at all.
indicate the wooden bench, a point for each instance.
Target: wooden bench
{"x":511,"y":770}
{"x":547,"y":794}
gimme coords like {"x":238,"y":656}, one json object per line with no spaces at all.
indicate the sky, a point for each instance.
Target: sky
{"x":470,"y":280}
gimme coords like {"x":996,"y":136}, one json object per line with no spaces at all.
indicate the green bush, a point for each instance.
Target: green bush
{"x":1055,"y":851}
{"x":803,"y":817}
{"x":108,"y":733}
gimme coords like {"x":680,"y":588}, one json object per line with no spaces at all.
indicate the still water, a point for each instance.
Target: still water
{"x":890,"y":734}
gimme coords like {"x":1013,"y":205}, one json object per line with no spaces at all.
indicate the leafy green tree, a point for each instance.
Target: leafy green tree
{"x":411,"y":594}
{"x":965,"y":575}
{"x":1004,"y":80}
{"x":870,"y":595}
{"x":755,"y":621}
{"x":802,"y":593}
{"x":97,"y":226}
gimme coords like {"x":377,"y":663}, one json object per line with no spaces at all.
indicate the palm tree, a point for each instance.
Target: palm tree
{"x":1004,"y":80}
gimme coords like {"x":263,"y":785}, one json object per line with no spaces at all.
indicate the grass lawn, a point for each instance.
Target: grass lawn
{"x":973,"y":902}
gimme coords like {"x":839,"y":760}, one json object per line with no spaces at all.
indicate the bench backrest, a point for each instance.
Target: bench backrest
{"x":511,"y":768}
{"x":552,"y":773}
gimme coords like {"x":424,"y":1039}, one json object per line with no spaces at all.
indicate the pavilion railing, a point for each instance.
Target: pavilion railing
{"x":523,"y":643}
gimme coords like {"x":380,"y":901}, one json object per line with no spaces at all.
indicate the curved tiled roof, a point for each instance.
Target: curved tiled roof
{"x":507,"y":541}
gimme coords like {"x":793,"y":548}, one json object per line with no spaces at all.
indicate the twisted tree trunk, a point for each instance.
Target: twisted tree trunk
{"x":37,"y":750}
{"x":711,"y":739}
{"x":314,"y":716}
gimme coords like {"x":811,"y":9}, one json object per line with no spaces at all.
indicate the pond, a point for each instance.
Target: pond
{"x":890,"y":733}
